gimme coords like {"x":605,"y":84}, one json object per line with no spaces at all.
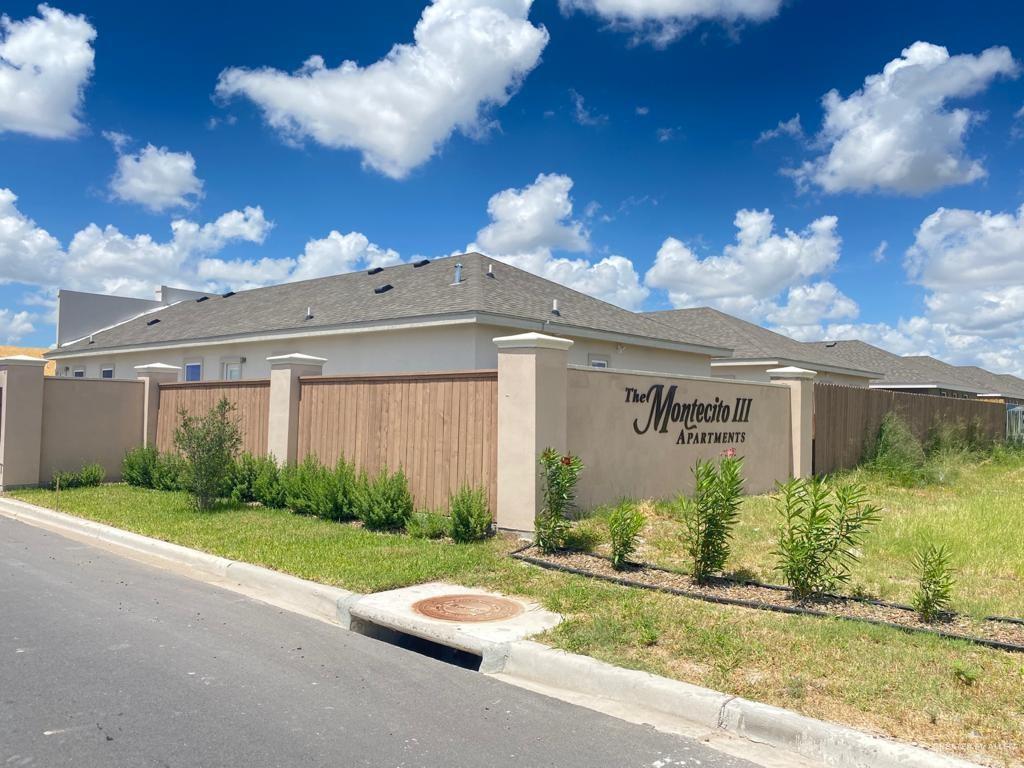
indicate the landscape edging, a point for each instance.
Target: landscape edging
{"x":524,"y":659}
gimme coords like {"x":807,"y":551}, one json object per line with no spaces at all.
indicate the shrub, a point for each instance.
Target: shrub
{"x":89,"y":476}
{"x":470,"y":514}
{"x":559,"y":475}
{"x":256,"y":479}
{"x":896,"y":454}
{"x":624,"y":526}
{"x":209,"y":445}
{"x":243,"y":479}
{"x":384,"y":503}
{"x":709,"y":518}
{"x":935,"y":583}
{"x":139,"y":466}
{"x":309,"y":488}
{"x":170,"y":473}
{"x":345,"y":480}
{"x":824,"y":524}
{"x":427,"y":525}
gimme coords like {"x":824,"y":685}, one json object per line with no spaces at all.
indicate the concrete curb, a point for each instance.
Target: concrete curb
{"x":832,"y":745}
{"x":309,"y":598}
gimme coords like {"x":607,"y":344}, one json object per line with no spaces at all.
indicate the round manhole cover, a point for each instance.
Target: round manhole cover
{"x":468,"y":608}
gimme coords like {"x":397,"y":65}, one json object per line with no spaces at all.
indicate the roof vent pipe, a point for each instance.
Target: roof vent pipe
{"x":458,"y":274}
{"x":309,"y":313}
{"x":490,"y":270}
{"x":554,"y":307}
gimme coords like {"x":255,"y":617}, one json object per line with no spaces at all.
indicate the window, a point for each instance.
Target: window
{"x":597,"y":361}
{"x":107,"y":372}
{"x":232,"y":371}
{"x":79,"y":373}
{"x":193,"y":371}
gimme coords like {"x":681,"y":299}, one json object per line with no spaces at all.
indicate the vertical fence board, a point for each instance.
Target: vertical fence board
{"x":250,"y":398}
{"x":847,"y":420}
{"x":438,"y":427}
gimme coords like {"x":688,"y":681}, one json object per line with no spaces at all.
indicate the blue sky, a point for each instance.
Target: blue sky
{"x":620,"y":146}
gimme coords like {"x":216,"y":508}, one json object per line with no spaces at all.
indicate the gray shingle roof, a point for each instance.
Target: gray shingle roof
{"x":750,"y":341}
{"x":417,"y":292}
{"x":993,"y":383}
{"x":897,"y":370}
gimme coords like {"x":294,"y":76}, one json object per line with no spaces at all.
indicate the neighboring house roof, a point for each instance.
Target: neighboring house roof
{"x":899,"y":372}
{"x":417,"y":294}
{"x":50,"y":369}
{"x":751,"y":342}
{"x":993,"y":383}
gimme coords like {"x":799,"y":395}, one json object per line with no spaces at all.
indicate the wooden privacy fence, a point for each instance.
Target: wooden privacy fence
{"x":847,"y":420}
{"x":250,"y":398}
{"x":440,"y":428}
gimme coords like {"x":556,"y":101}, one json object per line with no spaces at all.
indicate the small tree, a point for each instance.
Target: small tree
{"x":935,"y":582}
{"x":624,"y":526}
{"x":823,"y":527}
{"x":709,"y":518}
{"x":209,"y":445}
{"x":559,"y":475}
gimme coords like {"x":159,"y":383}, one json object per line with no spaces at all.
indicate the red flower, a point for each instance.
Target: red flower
{"x":566,"y":461}
{"x":729,"y":453}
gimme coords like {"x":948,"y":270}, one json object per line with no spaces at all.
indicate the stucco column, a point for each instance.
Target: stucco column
{"x":801,"y":411}
{"x":532,"y":387}
{"x":283,"y":428}
{"x":152,"y":375}
{"x":21,"y":430}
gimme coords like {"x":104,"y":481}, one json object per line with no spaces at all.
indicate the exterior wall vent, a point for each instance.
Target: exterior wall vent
{"x":375,"y":271}
{"x":421,"y":263}
{"x":384,"y":288}
{"x":154,"y":321}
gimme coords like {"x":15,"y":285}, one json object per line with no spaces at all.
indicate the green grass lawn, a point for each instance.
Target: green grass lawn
{"x":953,"y":696}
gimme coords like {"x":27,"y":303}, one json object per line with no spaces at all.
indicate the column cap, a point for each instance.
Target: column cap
{"x":157,"y":368}
{"x":23,"y":360}
{"x":791,"y":372}
{"x":532,"y":340}
{"x":296,"y":357}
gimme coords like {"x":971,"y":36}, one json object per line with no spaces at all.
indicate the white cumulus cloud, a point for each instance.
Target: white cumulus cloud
{"x":155,"y":177}
{"x":897,"y":133}
{"x":661,"y":22}
{"x":45,"y":64}
{"x":15,"y":325}
{"x":468,"y":55}
{"x":749,"y":277}
{"x":528,"y":224}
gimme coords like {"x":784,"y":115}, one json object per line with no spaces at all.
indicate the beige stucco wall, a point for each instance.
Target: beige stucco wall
{"x":87,"y":422}
{"x":439,"y":348}
{"x":760,"y":373}
{"x":620,"y":463}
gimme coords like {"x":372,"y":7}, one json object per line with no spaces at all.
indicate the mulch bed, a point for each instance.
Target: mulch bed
{"x":997,"y":632}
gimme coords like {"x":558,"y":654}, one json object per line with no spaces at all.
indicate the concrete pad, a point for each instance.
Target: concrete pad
{"x":394,"y":610}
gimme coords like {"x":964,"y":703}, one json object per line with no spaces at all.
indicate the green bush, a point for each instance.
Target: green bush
{"x":170,"y":473}
{"x":427,"y":525}
{"x":346,"y":480}
{"x":89,"y":476}
{"x":138,"y":466}
{"x":470,"y":515}
{"x":897,"y":455}
{"x":710,"y":516}
{"x":384,"y":503}
{"x":256,"y":479}
{"x":624,"y":526}
{"x":935,"y":583}
{"x":559,"y":475}
{"x":824,"y":525}
{"x":209,"y":444}
{"x":311,"y":489}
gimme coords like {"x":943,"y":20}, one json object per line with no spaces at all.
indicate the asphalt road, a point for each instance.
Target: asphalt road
{"x":105,"y":662}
